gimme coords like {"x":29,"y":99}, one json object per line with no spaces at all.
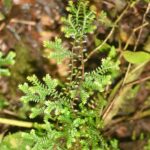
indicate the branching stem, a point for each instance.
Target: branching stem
{"x":82,"y":61}
{"x":109,"y":35}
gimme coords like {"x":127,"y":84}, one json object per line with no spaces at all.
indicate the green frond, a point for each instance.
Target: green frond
{"x":38,"y":91}
{"x":99,"y":78}
{"x":53,"y":107}
{"x":80,"y":20}
{"x":107,"y":66}
{"x":57,"y":51}
{"x":57,"y":110}
{"x":6,"y":61}
{"x":36,"y":111}
{"x":104,"y":20}
{"x":42,"y":142}
{"x":84,"y":96}
{"x":112,"y":53}
{"x":50,"y":83}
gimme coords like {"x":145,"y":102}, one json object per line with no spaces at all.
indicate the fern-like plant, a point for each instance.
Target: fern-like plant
{"x":147,"y":146}
{"x":71,"y":112}
{"x":80,"y":21}
{"x":6,"y":62}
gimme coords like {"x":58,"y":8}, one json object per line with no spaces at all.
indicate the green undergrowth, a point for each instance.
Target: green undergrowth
{"x":70,"y":115}
{"x":71,"y":111}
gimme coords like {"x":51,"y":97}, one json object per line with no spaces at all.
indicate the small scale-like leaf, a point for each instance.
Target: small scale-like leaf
{"x":104,"y":20}
{"x":136,"y":57}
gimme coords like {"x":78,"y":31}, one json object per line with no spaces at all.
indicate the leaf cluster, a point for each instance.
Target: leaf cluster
{"x":71,"y":112}
{"x":147,"y":146}
{"x":104,"y":20}
{"x":58,"y":52}
{"x":65,"y":123}
{"x":80,"y":21}
{"x":5,"y":62}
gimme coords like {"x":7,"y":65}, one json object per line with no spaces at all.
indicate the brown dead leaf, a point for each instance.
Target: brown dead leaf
{"x":46,"y":20}
{"x":47,"y":35}
{"x":122,"y":131}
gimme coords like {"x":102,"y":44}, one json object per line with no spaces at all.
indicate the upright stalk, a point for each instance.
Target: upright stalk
{"x":82,"y":60}
{"x":24,"y":124}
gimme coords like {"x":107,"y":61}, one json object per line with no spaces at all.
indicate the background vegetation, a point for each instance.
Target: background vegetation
{"x":110,"y":107}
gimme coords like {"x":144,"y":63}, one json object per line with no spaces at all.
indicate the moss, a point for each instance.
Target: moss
{"x":22,"y":67}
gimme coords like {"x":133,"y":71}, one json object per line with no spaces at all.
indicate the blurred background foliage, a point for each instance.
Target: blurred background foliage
{"x":25,"y":24}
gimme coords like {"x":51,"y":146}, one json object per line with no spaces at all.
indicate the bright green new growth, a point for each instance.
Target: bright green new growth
{"x":71,"y":112}
{"x":6,"y":61}
{"x":147,"y":146}
{"x":102,"y":76}
{"x":70,"y":125}
{"x":59,"y":53}
{"x":80,"y":21}
{"x":103,"y":18}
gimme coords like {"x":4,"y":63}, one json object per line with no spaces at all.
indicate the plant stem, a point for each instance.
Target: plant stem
{"x":82,"y":67}
{"x":138,"y":81}
{"x":142,"y":114}
{"x":72,"y":63}
{"x":117,"y":98}
{"x":18,"y":123}
{"x":82,"y":61}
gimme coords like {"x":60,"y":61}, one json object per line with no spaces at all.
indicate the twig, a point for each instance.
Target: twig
{"x":137,"y":116}
{"x":108,"y":36}
{"x":13,"y":31}
{"x":2,"y":26}
{"x":129,"y":39}
{"x":141,"y":114}
{"x":18,"y":123}
{"x":138,"y":81}
{"x":133,"y":32}
{"x":137,"y":68}
{"x":117,"y":99}
{"x":141,"y":30}
{"x":142,"y":26}
{"x":137,"y":41}
{"x":8,"y":112}
{"x":26,"y":22}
